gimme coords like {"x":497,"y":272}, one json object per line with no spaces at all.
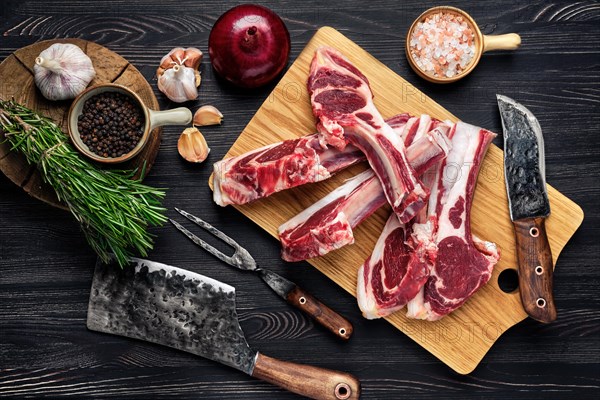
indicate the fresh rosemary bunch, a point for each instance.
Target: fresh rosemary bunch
{"x":113,"y":209}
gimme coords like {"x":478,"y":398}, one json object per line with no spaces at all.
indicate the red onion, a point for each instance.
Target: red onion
{"x":249,"y":45}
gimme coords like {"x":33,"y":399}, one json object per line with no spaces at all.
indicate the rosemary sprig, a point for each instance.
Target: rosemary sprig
{"x":113,"y":209}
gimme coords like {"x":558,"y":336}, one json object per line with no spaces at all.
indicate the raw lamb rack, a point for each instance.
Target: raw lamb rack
{"x":463,"y":262}
{"x":342,"y":103}
{"x":284,"y":165}
{"x":327,"y":225}
{"x":402,"y":258}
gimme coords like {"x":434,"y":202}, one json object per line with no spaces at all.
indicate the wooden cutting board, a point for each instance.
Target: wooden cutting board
{"x":462,"y":338}
{"x":16,"y":75}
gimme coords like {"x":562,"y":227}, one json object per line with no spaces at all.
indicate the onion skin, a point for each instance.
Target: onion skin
{"x":249,"y":45}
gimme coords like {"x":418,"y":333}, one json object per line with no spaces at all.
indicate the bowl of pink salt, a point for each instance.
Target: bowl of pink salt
{"x":444,"y":44}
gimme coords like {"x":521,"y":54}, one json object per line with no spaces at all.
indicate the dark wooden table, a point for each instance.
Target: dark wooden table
{"x":46,"y":266}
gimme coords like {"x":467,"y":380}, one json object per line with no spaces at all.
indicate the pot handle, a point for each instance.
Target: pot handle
{"x":176,"y":116}
{"x":509,"y":41}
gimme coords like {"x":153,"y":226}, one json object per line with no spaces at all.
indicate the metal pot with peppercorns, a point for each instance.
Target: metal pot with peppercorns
{"x":110,"y":123}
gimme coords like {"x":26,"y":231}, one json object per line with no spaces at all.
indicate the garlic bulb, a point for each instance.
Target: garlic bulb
{"x":190,"y":57}
{"x":178,"y":84}
{"x":62,"y":71}
{"x":192,"y":146}
{"x":178,"y":74}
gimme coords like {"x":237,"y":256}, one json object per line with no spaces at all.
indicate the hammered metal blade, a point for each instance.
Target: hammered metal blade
{"x":524,"y":164}
{"x":172,"y":307}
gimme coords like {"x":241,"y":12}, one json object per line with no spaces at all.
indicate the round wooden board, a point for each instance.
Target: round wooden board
{"x":16,"y":75}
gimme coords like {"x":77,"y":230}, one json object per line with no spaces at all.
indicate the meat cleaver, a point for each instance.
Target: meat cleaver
{"x":524,"y":171}
{"x":191,"y":312}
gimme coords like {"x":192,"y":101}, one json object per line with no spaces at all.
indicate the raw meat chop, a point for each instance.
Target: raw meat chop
{"x":342,"y":103}
{"x":393,"y":274}
{"x":284,"y":165}
{"x":464,"y":262}
{"x":402,"y":258}
{"x":327,"y":225}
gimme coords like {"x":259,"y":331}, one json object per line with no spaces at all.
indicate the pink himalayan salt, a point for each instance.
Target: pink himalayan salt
{"x":442,"y":45}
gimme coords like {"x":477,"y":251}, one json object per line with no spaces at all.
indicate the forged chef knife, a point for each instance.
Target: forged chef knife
{"x":191,"y":312}
{"x":524,"y":171}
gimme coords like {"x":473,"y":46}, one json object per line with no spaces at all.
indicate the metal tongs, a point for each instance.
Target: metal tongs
{"x":288,"y":290}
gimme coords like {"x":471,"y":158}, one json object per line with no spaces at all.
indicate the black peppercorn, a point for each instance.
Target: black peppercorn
{"x":111,"y":124}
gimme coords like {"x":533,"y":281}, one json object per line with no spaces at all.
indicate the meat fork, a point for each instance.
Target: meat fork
{"x":286,"y":289}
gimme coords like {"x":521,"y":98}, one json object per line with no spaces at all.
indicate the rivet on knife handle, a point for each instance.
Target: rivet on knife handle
{"x":324,"y":315}
{"x":535,"y":269}
{"x":312,"y":382}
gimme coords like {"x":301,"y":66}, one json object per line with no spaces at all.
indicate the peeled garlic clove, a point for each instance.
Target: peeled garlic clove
{"x":207,"y":115}
{"x":178,"y":84}
{"x":62,"y":71}
{"x":192,"y":146}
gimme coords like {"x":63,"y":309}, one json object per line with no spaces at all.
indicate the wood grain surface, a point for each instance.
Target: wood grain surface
{"x":475,"y":326}
{"x":46,"y":267}
{"x":16,"y":71}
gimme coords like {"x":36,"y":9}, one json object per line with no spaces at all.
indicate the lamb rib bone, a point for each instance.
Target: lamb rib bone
{"x":403,"y":256}
{"x":464,"y":262}
{"x":327,"y":225}
{"x":424,"y":230}
{"x":342,"y":103}
{"x":284,"y":165}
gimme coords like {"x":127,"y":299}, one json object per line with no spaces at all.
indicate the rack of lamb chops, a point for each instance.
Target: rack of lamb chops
{"x":426,"y":258}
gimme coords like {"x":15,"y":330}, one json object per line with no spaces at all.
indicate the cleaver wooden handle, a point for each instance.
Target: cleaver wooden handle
{"x":305,"y":380}
{"x":535,"y":269}
{"x":318,"y":311}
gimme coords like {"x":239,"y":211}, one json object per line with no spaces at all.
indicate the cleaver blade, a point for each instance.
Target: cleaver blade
{"x":187,"y":311}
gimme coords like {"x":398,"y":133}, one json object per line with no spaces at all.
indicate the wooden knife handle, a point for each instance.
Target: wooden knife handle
{"x":305,"y":380}
{"x":318,"y":311}
{"x":535,"y":269}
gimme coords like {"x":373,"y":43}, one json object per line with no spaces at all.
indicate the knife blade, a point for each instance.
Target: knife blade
{"x":525,"y":175}
{"x":187,"y":311}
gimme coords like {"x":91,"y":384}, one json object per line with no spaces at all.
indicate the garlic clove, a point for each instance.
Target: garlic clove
{"x":207,"y":115}
{"x":170,"y":60}
{"x":178,"y":55}
{"x":193,"y":58}
{"x":178,"y":84}
{"x":197,"y":78}
{"x":192,"y":146}
{"x":62,"y":71}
